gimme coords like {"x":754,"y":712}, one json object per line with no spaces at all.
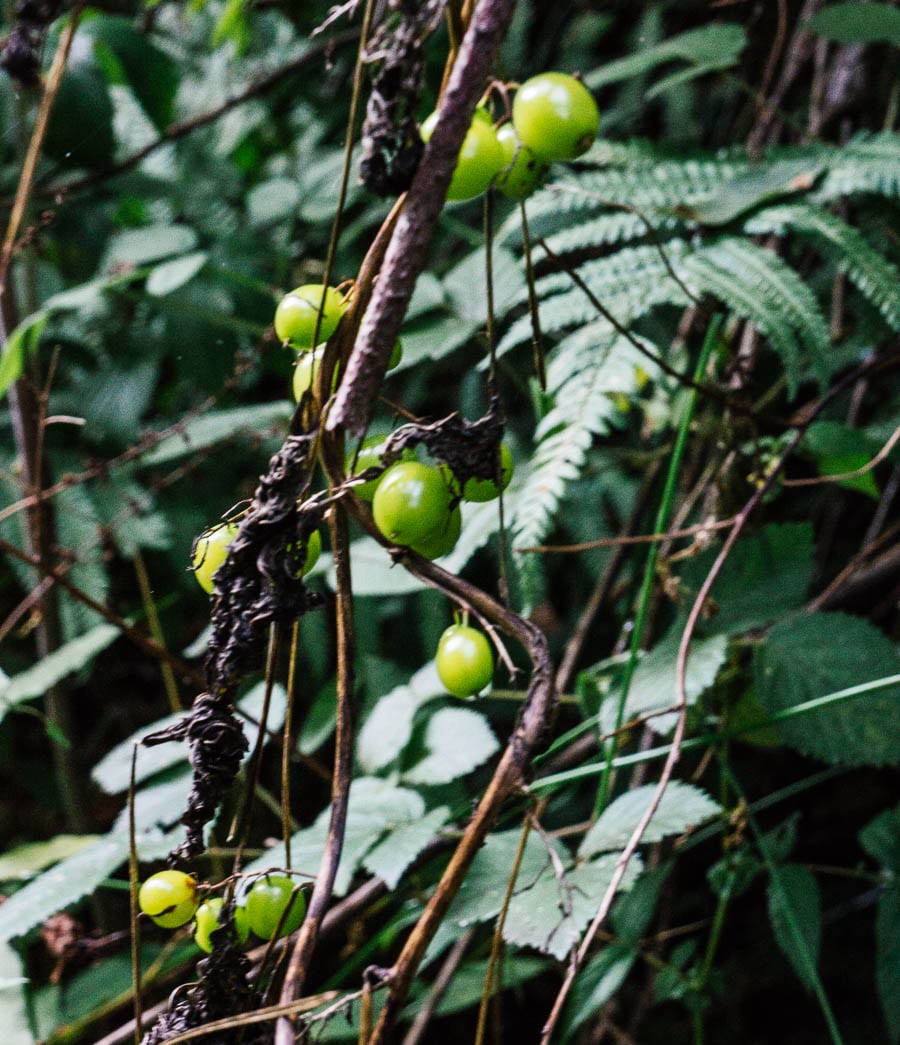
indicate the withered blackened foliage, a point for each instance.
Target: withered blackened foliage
{"x":255,"y":587}
{"x":223,"y":991}
{"x":20,"y":53}
{"x":391,"y":145}
{"x":470,"y":448}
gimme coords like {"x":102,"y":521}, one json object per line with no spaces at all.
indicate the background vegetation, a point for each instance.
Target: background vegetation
{"x":718,"y":298}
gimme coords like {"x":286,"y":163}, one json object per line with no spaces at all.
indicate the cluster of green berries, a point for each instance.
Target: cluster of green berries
{"x":554,"y":117}
{"x":273,"y":907}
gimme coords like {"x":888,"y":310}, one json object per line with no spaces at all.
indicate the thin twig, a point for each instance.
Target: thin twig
{"x":439,"y":987}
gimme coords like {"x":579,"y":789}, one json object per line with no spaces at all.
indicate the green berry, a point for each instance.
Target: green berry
{"x":295,"y":317}
{"x":464,"y":660}
{"x":555,"y":116}
{"x":169,"y":898}
{"x":412,"y":502}
{"x":522,"y":172}
{"x":267,"y":901}
{"x":479,"y":161}
{"x":209,"y":918}
{"x":210,"y":551}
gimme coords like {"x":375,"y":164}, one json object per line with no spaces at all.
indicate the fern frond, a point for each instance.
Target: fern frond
{"x":759,"y":286}
{"x":587,"y":369}
{"x":875,"y":277}
{"x":629,"y":283}
{"x":608,"y":229}
{"x":867,"y":163}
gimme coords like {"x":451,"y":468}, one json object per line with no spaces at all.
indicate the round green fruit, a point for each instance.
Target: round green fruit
{"x":412,"y":503}
{"x":443,"y":541}
{"x":522,"y":171}
{"x":169,"y":898}
{"x":555,"y":116}
{"x":464,"y":660}
{"x":480,"y":158}
{"x":209,"y":918}
{"x":479,"y":490}
{"x":306,"y":372}
{"x":267,"y":901}
{"x":295,"y":317}
{"x":210,"y":551}
{"x":313,"y":551}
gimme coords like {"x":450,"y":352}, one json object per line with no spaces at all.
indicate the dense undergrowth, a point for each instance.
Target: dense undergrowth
{"x":701,"y":533}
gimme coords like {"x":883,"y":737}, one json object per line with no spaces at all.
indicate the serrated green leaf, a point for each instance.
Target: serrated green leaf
{"x":77,"y":876}
{"x":819,"y":653}
{"x":113,"y":772}
{"x":391,"y":857}
{"x":552,"y":914}
{"x":482,"y":891}
{"x":881,"y":838}
{"x":13,"y":1003}
{"x":374,"y":807}
{"x":387,"y":730}
{"x":457,"y":741}
{"x":198,"y":433}
{"x":467,"y":985}
{"x":170,"y":275}
{"x":682,"y":806}
{"x":653,"y":683}
{"x":766,"y":576}
{"x":70,"y":657}
{"x":887,"y":959}
{"x":858,"y":23}
{"x":796,"y":891}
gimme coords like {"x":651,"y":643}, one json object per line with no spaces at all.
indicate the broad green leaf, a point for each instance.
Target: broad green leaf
{"x":553,"y":913}
{"x":881,"y":838}
{"x":751,"y":188}
{"x":171,"y":275}
{"x":113,"y":772}
{"x":198,"y":433}
{"x":887,"y":959}
{"x":794,"y":889}
{"x":632,"y":913}
{"x":25,"y":861}
{"x":461,"y":282}
{"x":388,"y":728}
{"x":765,"y":577}
{"x":682,"y":806}
{"x":77,"y":876}
{"x":819,"y":653}
{"x":21,"y":343}
{"x":145,"y":245}
{"x":858,"y":23}
{"x":598,"y":981}
{"x":837,"y":449}
{"x":82,"y":105}
{"x":391,"y":857}
{"x":152,"y":75}
{"x":13,"y":1004}
{"x":653,"y":683}
{"x":457,"y":741}
{"x":712,"y":46}
{"x":272,"y":201}
{"x":70,"y":657}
